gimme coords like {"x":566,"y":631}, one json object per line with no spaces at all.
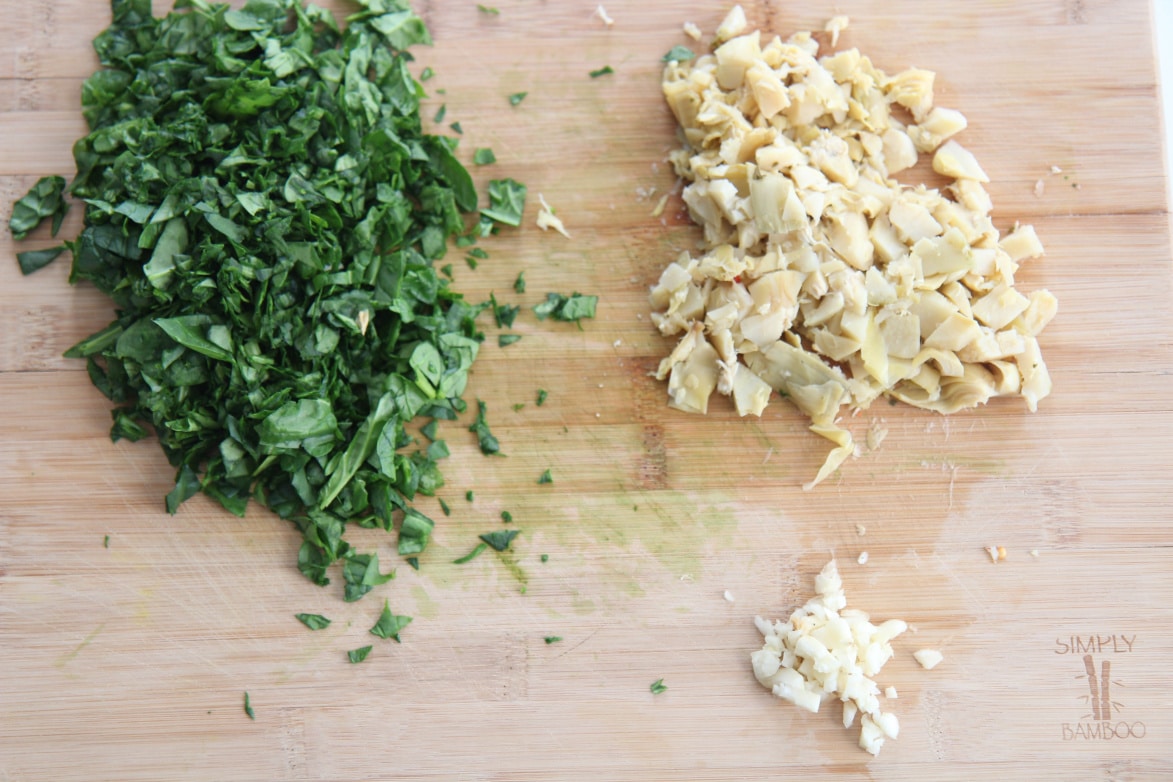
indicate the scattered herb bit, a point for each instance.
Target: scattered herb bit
{"x":471,"y":261}
{"x":553,"y":639}
{"x":456,"y":127}
{"x":446,"y":270}
{"x":106,"y":542}
{"x":504,"y":340}
{"x":568,"y":308}
{"x":485,"y":439}
{"x":427,"y":73}
{"x":658,"y":687}
{"x":519,"y":283}
{"x":678,"y":54}
{"x":441,"y":92}
{"x":470,"y":556}
{"x":313,"y":621}
{"x":479,"y":252}
{"x":606,"y":69}
{"x":248,"y":707}
{"x":444,"y":507}
{"x":45,"y":199}
{"x":468,"y":495}
{"x":440,"y":113}
{"x":506,"y":201}
{"x":360,"y":654}
{"x":500,"y":540}
{"x":488,"y":9}
{"x":518,"y":407}
{"x":541,"y":397}
{"x":389,"y":624}
{"x":506,"y":517}
{"x":517,"y":98}
{"x":546,"y":477}
{"x":545,"y":557}
{"x":270,"y":252}
{"x":35,"y":260}
{"x":414,"y":562}
{"x":483,"y":156}
{"x":428,"y":430}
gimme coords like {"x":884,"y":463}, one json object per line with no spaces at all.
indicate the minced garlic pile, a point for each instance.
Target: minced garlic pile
{"x":822,"y":277}
{"x":825,"y":650}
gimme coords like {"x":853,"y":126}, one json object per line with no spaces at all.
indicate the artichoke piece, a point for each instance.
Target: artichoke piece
{"x":954,"y":160}
{"x":774,"y":206}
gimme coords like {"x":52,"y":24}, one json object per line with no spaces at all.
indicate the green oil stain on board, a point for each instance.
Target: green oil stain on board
{"x":68,"y":657}
{"x":676,"y":528}
{"x":425,"y":606}
{"x":582,"y":605}
{"x":509,"y":560}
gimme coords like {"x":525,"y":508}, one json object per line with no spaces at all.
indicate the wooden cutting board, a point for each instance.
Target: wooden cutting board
{"x":130,"y":662}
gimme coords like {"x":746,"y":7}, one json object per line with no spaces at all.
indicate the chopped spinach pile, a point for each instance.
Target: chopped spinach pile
{"x":264,"y":209}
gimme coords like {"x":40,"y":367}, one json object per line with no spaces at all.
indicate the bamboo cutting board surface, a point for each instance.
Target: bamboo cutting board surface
{"x":130,"y":662}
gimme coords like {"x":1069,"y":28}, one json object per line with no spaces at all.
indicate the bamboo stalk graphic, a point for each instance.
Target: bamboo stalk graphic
{"x":1105,"y":699}
{"x":1090,"y":666}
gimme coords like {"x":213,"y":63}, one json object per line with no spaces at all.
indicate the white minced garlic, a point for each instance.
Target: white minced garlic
{"x":928,"y":658}
{"x":823,"y":277}
{"x":827,"y":650}
{"x":547,"y":219}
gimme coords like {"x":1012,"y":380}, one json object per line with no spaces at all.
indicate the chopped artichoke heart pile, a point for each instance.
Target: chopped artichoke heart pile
{"x":828,"y":650}
{"x":821,"y":276}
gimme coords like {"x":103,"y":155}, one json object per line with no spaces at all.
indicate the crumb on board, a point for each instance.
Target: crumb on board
{"x":997,"y":553}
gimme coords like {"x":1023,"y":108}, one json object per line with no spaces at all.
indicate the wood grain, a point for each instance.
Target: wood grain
{"x":130,"y":662}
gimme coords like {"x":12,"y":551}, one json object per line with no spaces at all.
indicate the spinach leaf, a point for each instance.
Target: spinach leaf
{"x":389,"y":624}
{"x":499,"y":540}
{"x":45,"y":199}
{"x":568,"y":308}
{"x":32,"y":260}
{"x":678,"y":54}
{"x":503,"y":314}
{"x":361,"y":572}
{"x":267,"y":214}
{"x":483,"y":156}
{"x":485,"y":439}
{"x":415,"y":532}
{"x":516,"y":98}
{"x":248,"y":708}
{"x":313,"y":621}
{"x":506,"y":201}
{"x":360,"y":654}
{"x":606,"y":69}
{"x":470,"y":556}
